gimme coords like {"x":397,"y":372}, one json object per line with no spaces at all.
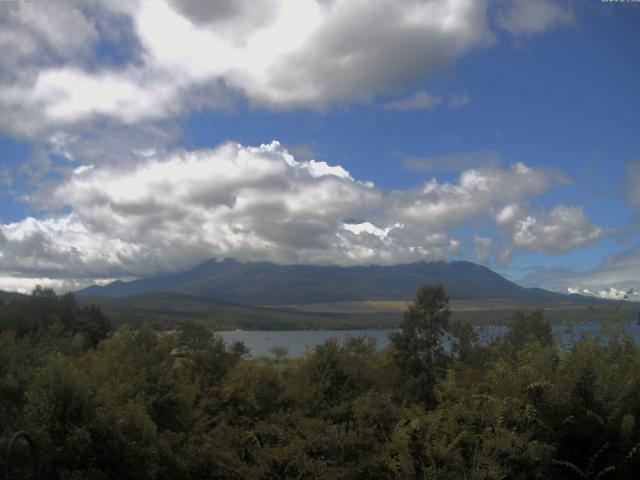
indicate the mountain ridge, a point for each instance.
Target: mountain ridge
{"x":263,"y":283}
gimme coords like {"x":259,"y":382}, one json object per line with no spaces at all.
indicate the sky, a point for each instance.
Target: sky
{"x":143,"y":137}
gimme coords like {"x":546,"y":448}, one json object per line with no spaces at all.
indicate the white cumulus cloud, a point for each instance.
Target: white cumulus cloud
{"x":562,"y":229}
{"x":279,"y":54}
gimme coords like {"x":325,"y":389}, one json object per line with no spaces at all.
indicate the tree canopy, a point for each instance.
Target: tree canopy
{"x":436,"y":403}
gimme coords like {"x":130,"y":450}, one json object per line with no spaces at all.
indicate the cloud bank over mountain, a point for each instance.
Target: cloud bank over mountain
{"x":174,"y":210}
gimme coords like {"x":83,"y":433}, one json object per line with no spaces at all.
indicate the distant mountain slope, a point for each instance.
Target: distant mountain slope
{"x":271,"y":284}
{"x":6,"y":296}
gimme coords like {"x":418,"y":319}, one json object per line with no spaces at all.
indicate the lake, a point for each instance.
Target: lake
{"x":298,"y":342}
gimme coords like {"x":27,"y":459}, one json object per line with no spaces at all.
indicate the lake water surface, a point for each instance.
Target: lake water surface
{"x":299,"y":342}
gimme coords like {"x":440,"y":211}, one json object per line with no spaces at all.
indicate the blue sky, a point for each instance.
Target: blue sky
{"x":104,"y":131}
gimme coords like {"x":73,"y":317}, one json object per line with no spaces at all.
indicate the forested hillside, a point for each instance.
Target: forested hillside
{"x":139,"y":404}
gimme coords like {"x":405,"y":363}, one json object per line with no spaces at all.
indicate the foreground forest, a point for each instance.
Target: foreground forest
{"x":137,"y":403}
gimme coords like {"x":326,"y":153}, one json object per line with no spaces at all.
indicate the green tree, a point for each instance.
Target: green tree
{"x":529,"y":327}
{"x":418,"y":344}
{"x":193,"y":337}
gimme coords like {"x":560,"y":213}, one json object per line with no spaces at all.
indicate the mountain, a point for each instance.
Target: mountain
{"x":270,"y":284}
{"x":161,"y":283}
{"x":7,"y":296}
